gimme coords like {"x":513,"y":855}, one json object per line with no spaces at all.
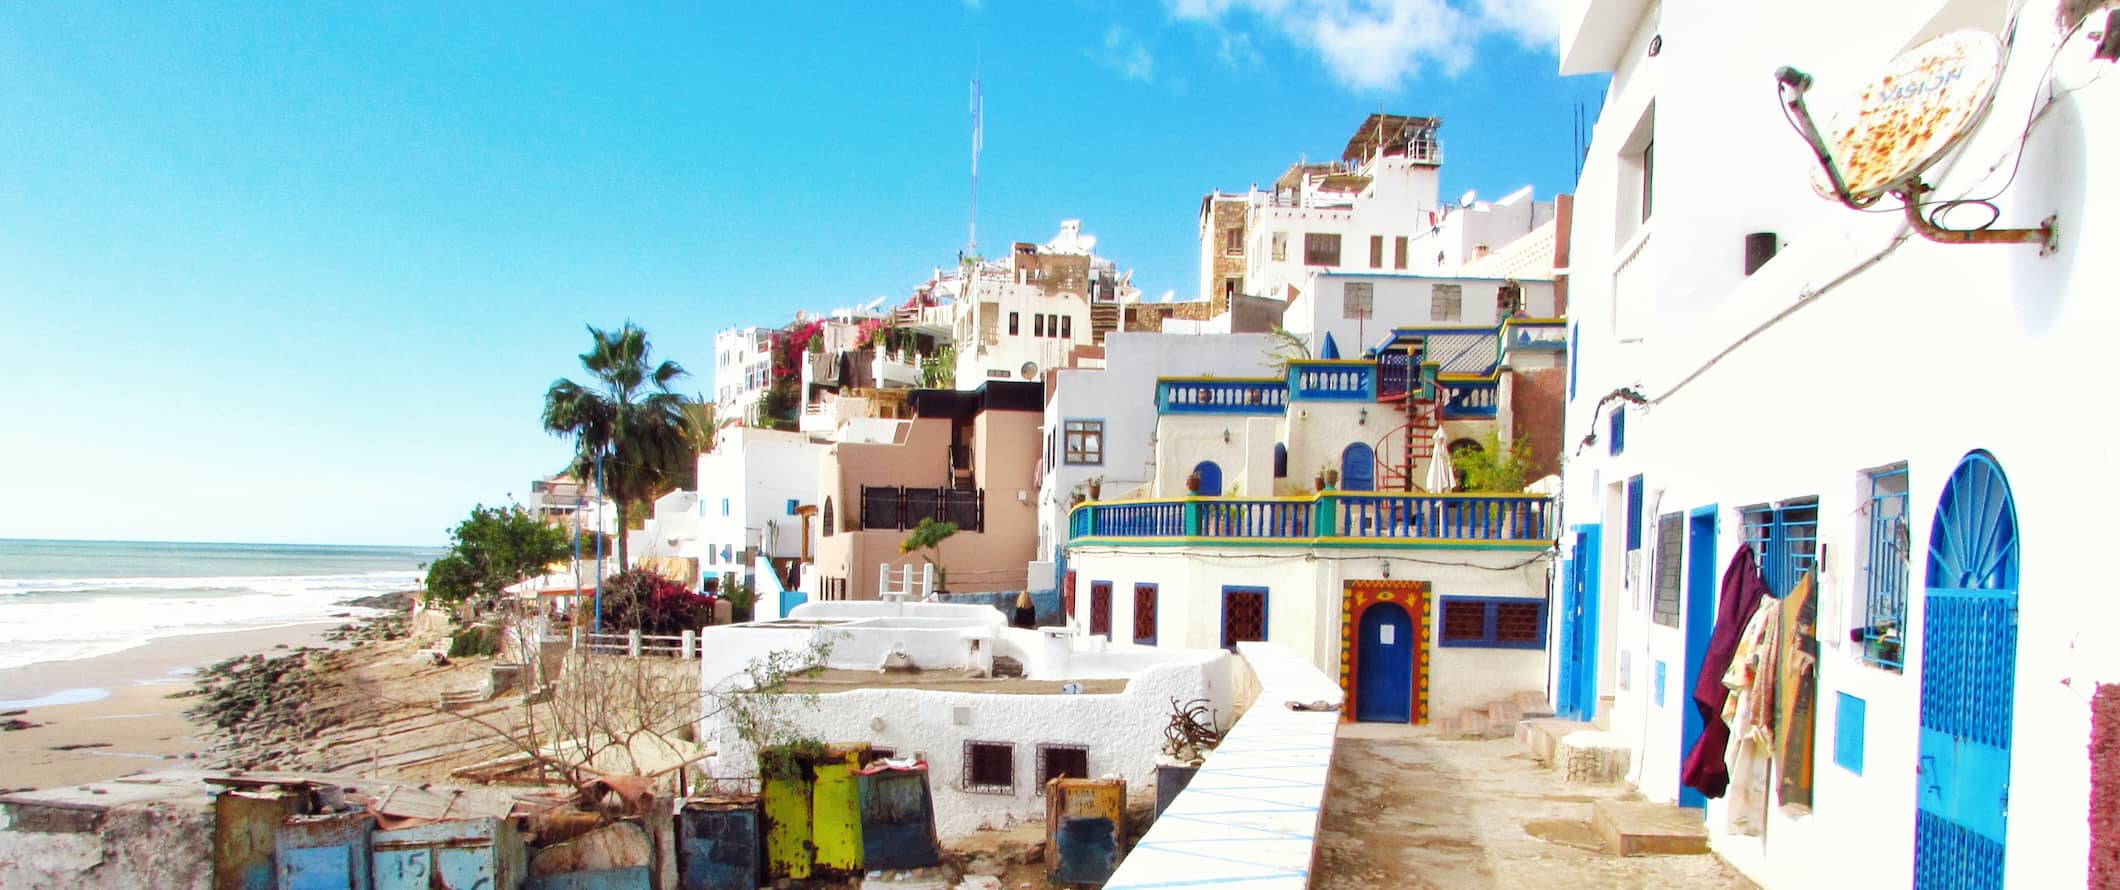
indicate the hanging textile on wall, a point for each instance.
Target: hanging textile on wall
{"x":1752,"y":679}
{"x":1797,"y":719}
{"x":1742,"y":589}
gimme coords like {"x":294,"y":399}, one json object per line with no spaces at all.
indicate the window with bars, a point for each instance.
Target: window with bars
{"x":1061,"y":762}
{"x":1616,"y":432}
{"x":989,"y":767}
{"x":1785,"y":538}
{"x":1446,"y":302}
{"x":1100,"y":608}
{"x":1493,"y":622}
{"x":1634,"y":513}
{"x":1670,"y":529}
{"x":1882,"y":621}
{"x":1145,"y":614}
{"x":1321,"y":249}
{"x":1358,"y":299}
{"x":1243,"y":615}
{"x":1084,"y":441}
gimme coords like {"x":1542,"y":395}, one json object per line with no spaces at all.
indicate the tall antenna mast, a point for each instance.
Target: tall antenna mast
{"x":978,"y":136}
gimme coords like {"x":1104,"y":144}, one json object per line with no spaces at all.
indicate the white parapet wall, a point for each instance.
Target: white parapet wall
{"x":1250,"y":816}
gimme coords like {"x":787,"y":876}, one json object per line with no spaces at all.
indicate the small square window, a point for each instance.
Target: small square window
{"x":1083,"y":442}
{"x":1321,"y":249}
{"x":1464,"y":621}
{"x":1280,"y":246}
{"x":990,"y":767}
{"x":1446,"y":302}
{"x":1062,"y":762}
{"x":1493,"y":622}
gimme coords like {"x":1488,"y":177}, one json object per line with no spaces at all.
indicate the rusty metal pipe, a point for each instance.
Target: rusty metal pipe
{"x":2047,"y":235}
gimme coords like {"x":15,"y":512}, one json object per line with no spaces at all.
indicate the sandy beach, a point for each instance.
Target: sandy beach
{"x":139,"y":725}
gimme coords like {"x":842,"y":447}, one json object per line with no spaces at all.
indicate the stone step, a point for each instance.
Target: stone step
{"x":1541,"y":736}
{"x":1592,"y":756}
{"x":1641,"y":828}
{"x":1533,"y":704}
{"x":1504,"y":713}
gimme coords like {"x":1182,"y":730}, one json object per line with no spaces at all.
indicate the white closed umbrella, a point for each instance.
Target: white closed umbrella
{"x":1441,"y":476}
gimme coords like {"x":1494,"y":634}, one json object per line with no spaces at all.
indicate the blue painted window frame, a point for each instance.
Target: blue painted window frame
{"x":1489,"y":638}
{"x":1785,"y":538}
{"x":1616,"y":439}
{"x":792,"y":505}
{"x":1662,"y":676}
{"x":724,"y":506}
{"x":1887,"y":568}
{"x":1155,"y":595}
{"x":1849,"y":715}
{"x":1265,"y":613}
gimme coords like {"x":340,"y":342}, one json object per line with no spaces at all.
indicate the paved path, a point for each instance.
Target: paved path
{"x":1409,"y":810}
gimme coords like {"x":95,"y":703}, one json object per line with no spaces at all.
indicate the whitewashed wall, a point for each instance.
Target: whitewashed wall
{"x":1858,"y":346}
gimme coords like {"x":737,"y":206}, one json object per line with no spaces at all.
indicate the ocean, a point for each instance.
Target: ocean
{"x":62,"y":600}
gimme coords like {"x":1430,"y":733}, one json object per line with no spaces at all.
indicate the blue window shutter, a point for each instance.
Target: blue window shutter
{"x":1848,"y":729}
{"x":1574,"y":349}
{"x":1617,"y":441}
{"x":791,"y":506}
{"x":724,"y":506}
{"x":1634,"y":513}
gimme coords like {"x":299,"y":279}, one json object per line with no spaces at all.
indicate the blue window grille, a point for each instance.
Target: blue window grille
{"x":1634,"y":513}
{"x":1492,"y":622}
{"x":724,"y":506}
{"x":1616,"y":441}
{"x":1848,"y":718}
{"x":1886,"y":572}
{"x":1785,"y":539}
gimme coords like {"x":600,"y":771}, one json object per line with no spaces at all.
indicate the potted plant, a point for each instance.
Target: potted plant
{"x":1192,"y":482}
{"x":1330,"y":479}
{"x":1095,"y":485}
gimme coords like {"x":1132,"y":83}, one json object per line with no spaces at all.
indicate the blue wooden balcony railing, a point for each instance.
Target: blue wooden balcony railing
{"x":1340,"y":516}
{"x":1221,"y":395}
{"x":1333,"y":380}
{"x":1470,"y":400}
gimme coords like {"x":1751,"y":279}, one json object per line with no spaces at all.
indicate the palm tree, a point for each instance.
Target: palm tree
{"x":629,"y":418}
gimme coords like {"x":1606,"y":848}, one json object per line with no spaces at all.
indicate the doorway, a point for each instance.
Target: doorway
{"x":1701,"y":607}
{"x":1384,"y":665}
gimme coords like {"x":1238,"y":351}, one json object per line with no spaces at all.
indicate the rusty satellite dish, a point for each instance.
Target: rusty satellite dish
{"x":1924,"y":103}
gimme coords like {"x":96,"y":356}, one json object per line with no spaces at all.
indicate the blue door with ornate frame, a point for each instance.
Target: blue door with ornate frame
{"x":1384,"y":665}
{"x":1577,"y":698}
{"x":1968,"y":681}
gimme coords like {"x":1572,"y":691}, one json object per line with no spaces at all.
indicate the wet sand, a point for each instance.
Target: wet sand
{"x":138,"y":725}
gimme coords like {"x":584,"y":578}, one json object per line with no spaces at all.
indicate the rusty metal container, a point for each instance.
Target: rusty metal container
{"x":1085,"y":826}
{"x":897,"y":818}
{"x":470,"y":854}
{"x":323,"y":852}
{"x":718,"y":845}
{"x":245,"y":827}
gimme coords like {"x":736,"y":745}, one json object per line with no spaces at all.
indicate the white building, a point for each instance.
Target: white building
{"x":951,"y":712}
{"x":743,"y":371}
{"x":752,"y":488}
{"x":1762,"y":367}
{"x":1099,"y":425}
{"x":1017,"y":318}
{"x":1426,"y":605}
{"x":1374,"y":210}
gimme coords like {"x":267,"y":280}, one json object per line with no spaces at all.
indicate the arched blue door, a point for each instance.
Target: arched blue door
{"x":1384,"y":665}
{"x":1968,"y":681}
{"x":1358,"y":468}
{"x":1210,"y":478}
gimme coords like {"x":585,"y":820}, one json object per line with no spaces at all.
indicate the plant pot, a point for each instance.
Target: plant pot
{"x":1192,"y":483}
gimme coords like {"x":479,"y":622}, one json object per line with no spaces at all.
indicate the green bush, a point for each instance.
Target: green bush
{"x":476,"y":640}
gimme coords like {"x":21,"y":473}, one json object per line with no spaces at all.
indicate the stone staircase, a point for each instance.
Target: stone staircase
{"x":1497,"y":720}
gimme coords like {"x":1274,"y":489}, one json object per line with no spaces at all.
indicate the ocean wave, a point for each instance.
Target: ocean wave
{"x":357,"y":583}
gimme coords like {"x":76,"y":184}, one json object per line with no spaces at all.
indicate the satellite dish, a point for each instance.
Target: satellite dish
{"x":1466,"y":199}
{"x":1030,"y":370}
{"x":1922,"y":105}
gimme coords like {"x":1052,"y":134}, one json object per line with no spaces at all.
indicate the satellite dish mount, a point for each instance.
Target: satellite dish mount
{"x":1924,"y":104}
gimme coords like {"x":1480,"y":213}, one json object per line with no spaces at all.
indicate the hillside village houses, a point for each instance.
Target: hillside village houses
{"x":1843,"y":395}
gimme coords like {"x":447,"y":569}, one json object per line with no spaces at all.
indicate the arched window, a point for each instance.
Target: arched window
{"x":826,"y":516}
{"x":1280,"y":461}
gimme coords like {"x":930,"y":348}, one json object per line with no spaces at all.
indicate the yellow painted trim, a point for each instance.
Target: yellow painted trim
{"x":1272,"y":380}
{"x":1331,"y":361}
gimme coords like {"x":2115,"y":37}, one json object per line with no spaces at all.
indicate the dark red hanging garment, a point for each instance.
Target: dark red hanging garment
{"x":1742,"y":590}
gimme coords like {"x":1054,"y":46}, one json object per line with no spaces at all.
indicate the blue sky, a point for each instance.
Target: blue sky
{"x":301,"y":274}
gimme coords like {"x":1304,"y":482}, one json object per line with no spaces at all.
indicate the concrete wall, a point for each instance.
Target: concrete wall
{"x":1825,"y":363}
{"x":1123,"y":732}
{"x":1401,"y":301}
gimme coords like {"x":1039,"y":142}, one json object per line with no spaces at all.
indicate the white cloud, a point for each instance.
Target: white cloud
{"x":1377,"y":44}
{"x":1126,"y":54}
